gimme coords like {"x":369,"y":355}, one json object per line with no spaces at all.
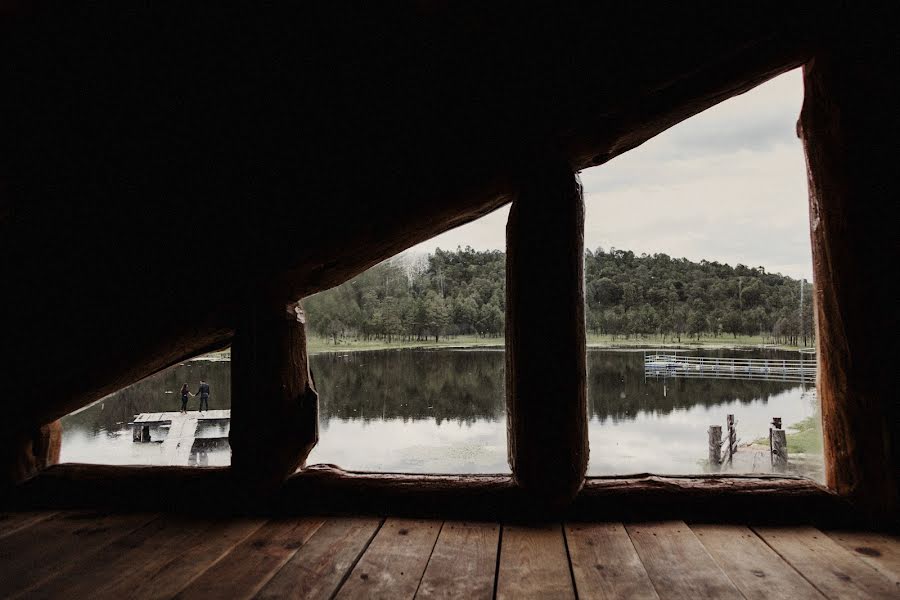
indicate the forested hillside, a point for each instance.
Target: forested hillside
{"x":462,"y":293}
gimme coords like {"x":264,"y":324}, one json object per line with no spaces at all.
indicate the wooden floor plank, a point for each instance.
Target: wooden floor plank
{"x":757,"y":570}
{"x":833,"y":570}
{"x":34,"y":554}
{"x":533,"y":563}
{"x":677,"y":563}
{"x":321,"y":565}
{"x":248,"y":567}
{"x":155,"y":561}
{"x":11,"y":522}
{"x":463,"y":562}
{"x":605,"y":563}
{"x":880,"y":551}
{"x":393,"y":565}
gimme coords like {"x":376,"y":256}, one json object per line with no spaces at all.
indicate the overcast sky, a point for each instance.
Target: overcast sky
{"x":728,"y":184}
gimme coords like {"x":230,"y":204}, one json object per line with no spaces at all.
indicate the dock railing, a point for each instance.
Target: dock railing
{"x":662,"y":365}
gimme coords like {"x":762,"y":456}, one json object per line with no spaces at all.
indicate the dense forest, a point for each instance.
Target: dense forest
{"x":462,"y":292}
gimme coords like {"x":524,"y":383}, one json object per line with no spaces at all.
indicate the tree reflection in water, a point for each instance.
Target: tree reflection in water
{"x":444,"y":411}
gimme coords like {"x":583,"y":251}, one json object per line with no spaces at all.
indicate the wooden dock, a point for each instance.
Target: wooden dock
{"x":176,"y":446}
{"x":659,"y":365}
{"x":162,"y":418}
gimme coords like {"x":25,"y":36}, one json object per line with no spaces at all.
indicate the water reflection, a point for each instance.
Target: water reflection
{"x":100,"y":433}
{"x":444,"y":411}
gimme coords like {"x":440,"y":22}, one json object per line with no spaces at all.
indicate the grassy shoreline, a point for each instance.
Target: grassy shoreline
{"x":320,"y":345}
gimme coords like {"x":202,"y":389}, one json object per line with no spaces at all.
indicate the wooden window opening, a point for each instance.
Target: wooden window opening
{"x":853,"y":238}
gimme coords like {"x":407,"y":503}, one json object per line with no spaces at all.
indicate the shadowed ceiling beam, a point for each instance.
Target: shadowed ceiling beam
{"x":156,"y":163}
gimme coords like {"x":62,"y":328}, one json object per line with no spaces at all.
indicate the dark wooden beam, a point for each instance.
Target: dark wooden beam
{"x":323,"y":489}
{"x":155,"y":130}
{"x":546,"y":370}
{"x":850,"y":129}
{"x":24,"y":454}
{"x":274,"y":406}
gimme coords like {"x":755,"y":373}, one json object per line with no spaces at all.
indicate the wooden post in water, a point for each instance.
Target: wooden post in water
{"x":732,"y":439}
{"x":274,"y":406}
{"x":546,"y":374}
{"x":779,"y":451}
{"x":715,"y":447}
{"x":776,"y":424}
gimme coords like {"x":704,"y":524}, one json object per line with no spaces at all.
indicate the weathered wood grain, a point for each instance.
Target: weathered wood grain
{"x":834,"y":571}
{"x":533,"y":564}
{"x":850,"y":141}
{"x":155,"y":561}
{"x":678,"y":564}
{"x":757,"y":571}
{"x":11,"y":522}
{"x":879,"y":550}
{"x":317,"y":570}
{"x":393,"y":564}
{"x":605,"y":564}
{"x":463,"y":562}
{"x":31,"y":556}
{"x":249,"y":565}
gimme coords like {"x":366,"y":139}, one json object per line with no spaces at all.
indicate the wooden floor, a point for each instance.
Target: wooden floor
{"x":93,"y":555}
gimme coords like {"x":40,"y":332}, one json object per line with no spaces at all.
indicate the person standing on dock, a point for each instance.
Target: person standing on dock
{"x":185,"y":394}
{"x":203,"y":392}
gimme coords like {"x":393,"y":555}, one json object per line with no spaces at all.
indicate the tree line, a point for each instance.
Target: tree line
{"x":462,"y":292}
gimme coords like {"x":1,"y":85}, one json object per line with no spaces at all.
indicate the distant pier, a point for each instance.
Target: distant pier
{"x":660,"y":365}
{"x":182,"y":430}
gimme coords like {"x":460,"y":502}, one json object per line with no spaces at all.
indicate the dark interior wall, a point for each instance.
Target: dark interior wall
{"x":158,"y":165}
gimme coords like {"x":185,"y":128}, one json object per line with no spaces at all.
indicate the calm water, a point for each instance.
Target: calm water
{"x":442,"y":411}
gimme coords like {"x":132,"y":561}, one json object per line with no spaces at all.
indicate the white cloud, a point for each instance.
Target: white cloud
{"x":728,"y":185}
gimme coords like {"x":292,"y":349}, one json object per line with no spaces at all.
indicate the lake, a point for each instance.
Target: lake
{"x":442,"y":411}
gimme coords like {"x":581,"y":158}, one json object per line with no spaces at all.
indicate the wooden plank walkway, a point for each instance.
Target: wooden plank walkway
{"x":84,"y":554}
{"x":161,"y":418}
{"x":176,"y":446}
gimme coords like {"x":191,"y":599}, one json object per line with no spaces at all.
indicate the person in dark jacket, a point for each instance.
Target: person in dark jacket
{"x":185,"y":394}
{"x":203,"y":392}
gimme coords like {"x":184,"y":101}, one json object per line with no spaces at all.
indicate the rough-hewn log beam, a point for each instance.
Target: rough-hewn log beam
{"x":274,"y":406}
{"x":546,"y":370}
{"x":199,"y":145}
{"x":328,"y":490}
{"x":850,"y":127}
{"x":23,"y":455}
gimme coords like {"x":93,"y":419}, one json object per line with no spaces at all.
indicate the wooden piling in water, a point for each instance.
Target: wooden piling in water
{"x":779,"y":450}
{"x":732,"y":439}
{"x":715,"y":446}
{"x":776,"y":424}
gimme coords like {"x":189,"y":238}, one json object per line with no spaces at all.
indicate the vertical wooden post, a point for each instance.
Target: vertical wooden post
{"x":546,"y":395}
{"x":732,"y":439}
{"x":850,"y":130}
{"x":776,"y":424}
{"x":715,"y":447}
{"x":274,"y":406}
{"x":779,"y":450}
